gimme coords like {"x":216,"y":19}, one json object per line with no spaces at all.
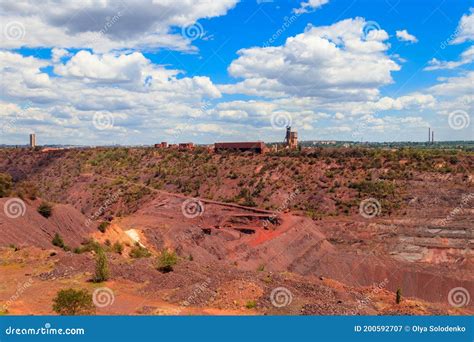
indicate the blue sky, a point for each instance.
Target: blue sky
{"x":138,"y":73}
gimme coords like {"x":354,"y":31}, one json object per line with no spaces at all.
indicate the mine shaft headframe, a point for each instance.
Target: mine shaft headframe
{"x":288,"y":134}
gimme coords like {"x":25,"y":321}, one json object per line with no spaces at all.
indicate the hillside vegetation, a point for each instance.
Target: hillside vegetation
{"x":324,"y":181}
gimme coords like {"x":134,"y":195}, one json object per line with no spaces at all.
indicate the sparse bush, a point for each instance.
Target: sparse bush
{"x":14,"y":247}
{"x":167,"y":260}
{"x":399,"y":296}
{"x":103,"y":226}
{"x":101,"y":267}
{"x":232,"y":175}
{"x":5,"y":184}
{"x":267,"y":279}
{"x":88,"y":246}
{"x":251,"y":304}
{"x":27,"y":190}
{"x":45,"y":209}
{"x":72,"y":302}
{"x":378,"y":189}
{"x":139,"y":252}
{"x":58,"y":241}
{"x":117,"y":247}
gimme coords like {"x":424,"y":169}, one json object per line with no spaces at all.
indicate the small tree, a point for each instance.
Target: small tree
{"x":72,"y":302}
{"x":166,"y":261}
{"x":58,"y":241}
{"x":399,"y":296}
{"x":101,"y":267}
{"x":45,"y":209}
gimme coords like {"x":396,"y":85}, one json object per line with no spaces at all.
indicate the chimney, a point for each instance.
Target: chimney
{"x":33,"y":140}
{"x":432,"y":137}
{"x":429,"y":134}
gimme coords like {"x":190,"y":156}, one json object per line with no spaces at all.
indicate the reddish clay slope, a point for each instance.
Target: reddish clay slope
{"x":25,"y":226}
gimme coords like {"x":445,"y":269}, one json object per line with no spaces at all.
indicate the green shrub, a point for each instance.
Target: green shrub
{"x":139,"y":252}
{"x":58,"y":241}
{"x":14,"y":247}
{"x":88,"y":246}
{"x":101,"y":267}
{"x":45,"y":209}
{"x":251,"y":304}
{"x":117,"y":247}
{"x":167,"y":260}
{"x":72,"y":302}
{"x":378,"y":189}
{"x":103,"y":226}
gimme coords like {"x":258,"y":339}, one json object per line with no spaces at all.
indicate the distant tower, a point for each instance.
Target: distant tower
{"x":432,"y":137}
{"x":32,"y":140}
{"x":429,"y":134}
{"x":291,"y":138}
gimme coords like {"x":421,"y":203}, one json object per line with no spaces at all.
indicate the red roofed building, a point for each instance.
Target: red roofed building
{"x":251,"y":146}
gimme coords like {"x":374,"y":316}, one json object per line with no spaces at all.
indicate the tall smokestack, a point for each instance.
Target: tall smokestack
{"x":432,"y":137}
{"x":429,"y":134}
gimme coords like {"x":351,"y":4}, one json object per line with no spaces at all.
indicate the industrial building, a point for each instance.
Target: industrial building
{"x":251,"y":146}
{"x":186,"y":146}
{"x":180,"y":146}
{"x":291,"y":138}
{"x":291,"y":142}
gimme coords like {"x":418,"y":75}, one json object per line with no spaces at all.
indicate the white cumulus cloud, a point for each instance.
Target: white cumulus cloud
{"x":309,"y":6}
{"x":404,"y":36}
